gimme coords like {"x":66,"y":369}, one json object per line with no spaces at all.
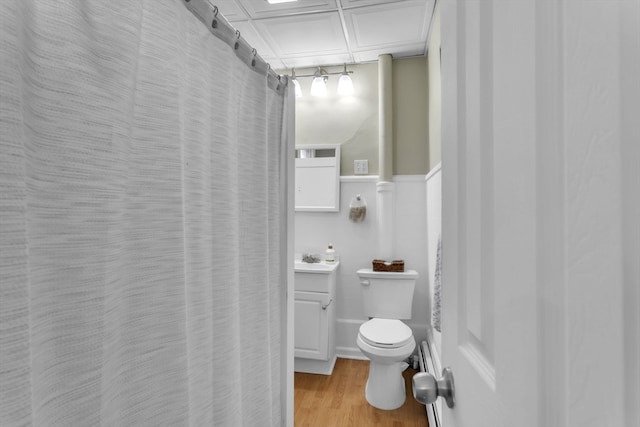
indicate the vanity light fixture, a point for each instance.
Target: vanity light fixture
{"x":345,"y":85}
{"x":319,"y":83}
{"x":296,"y":84}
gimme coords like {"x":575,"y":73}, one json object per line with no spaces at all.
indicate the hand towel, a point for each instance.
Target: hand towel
{"x":437,"y":289}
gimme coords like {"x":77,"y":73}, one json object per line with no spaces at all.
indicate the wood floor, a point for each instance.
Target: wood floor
{"x":338,"y":400}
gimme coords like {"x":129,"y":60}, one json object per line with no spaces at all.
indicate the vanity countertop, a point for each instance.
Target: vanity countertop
{"x":315,"y":267}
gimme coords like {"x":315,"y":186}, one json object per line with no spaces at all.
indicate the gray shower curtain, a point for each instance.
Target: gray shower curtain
{"x":141,"y":231}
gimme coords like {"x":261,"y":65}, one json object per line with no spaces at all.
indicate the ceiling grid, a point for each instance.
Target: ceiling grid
{"x":311,"y":33}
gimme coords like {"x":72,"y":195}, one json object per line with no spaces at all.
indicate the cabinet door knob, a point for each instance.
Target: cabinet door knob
{"x":324,"y":307}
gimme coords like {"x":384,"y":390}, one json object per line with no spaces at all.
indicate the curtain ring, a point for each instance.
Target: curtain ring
{"x":237,"y":44}
{"x":253,"y":61}
{"x":214,"y":23}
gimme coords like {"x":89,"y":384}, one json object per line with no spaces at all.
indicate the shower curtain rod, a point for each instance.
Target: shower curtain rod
{"x":220,"y":27}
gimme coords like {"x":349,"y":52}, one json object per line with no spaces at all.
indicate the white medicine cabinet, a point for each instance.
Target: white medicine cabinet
{"x":317,"y":185}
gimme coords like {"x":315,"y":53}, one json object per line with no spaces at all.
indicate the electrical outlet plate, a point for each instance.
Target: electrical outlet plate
{"x":361,"y":167}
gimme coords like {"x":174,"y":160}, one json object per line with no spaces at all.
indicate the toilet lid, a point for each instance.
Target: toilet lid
{"x":385,"y":333}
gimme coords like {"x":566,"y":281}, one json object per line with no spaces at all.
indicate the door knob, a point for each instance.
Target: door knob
{"x":426,"y":388}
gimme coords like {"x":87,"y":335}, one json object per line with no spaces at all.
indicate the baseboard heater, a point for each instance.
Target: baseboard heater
{"x":427,"y":364}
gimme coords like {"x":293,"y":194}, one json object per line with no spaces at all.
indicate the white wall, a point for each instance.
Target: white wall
{"x":435,"y":91}
{"x":352,"y":122}
{"x":356,"y":245}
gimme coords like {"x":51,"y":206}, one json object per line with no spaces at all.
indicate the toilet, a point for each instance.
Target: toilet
{"x":385,"y":340}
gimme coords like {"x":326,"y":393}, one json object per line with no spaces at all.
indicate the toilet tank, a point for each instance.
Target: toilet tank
{"x":387,"y":295}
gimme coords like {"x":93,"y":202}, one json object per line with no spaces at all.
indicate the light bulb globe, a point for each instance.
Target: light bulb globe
{"x":345,"y":85}
{"x":318,"y":87}
{"x":297,"y":89}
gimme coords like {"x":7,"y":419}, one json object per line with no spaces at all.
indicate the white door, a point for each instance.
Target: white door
{"x":541,"y":212}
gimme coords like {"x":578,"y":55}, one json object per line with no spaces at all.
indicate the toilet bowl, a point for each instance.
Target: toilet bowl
{"x":385,"y":340}
{"x":386,"y":343}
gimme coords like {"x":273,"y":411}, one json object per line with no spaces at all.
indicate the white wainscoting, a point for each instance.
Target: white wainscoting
{"x":356,"y":247}
{"x":434,"y":228}
{"x":347,"y":331}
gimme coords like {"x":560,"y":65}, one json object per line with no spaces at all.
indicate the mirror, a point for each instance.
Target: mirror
{"x":317,"y":185}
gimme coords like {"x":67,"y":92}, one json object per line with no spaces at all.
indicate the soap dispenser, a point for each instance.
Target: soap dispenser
{"x":330,"y":254}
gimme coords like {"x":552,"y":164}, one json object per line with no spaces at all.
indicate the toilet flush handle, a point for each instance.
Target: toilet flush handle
{"x":365,"y":282}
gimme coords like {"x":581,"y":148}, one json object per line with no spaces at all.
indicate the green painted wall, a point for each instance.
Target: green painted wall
{"x":352,"y":121}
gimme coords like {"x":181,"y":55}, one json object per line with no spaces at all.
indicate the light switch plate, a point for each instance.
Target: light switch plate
{"x":361,"y":167}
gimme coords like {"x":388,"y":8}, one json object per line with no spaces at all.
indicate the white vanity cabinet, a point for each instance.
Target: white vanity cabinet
{"x":315,"y":317}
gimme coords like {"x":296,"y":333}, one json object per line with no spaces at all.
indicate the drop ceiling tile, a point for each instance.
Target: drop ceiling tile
{"x":304,"y":35}
{"x":262,"y":9}
{"x":251,"y":36}
{"x":275,"y":63}
{"x":398,"y":52}
{"x":317,"y":60}
{"x":230,"y":10}
{"x":359,"y":3}
{"x":366,"y":56}
{"x":388,"y":25}
{"x":309,"y":33}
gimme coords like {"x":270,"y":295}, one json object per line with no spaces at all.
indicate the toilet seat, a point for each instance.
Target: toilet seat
{"x":385,"y":333}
